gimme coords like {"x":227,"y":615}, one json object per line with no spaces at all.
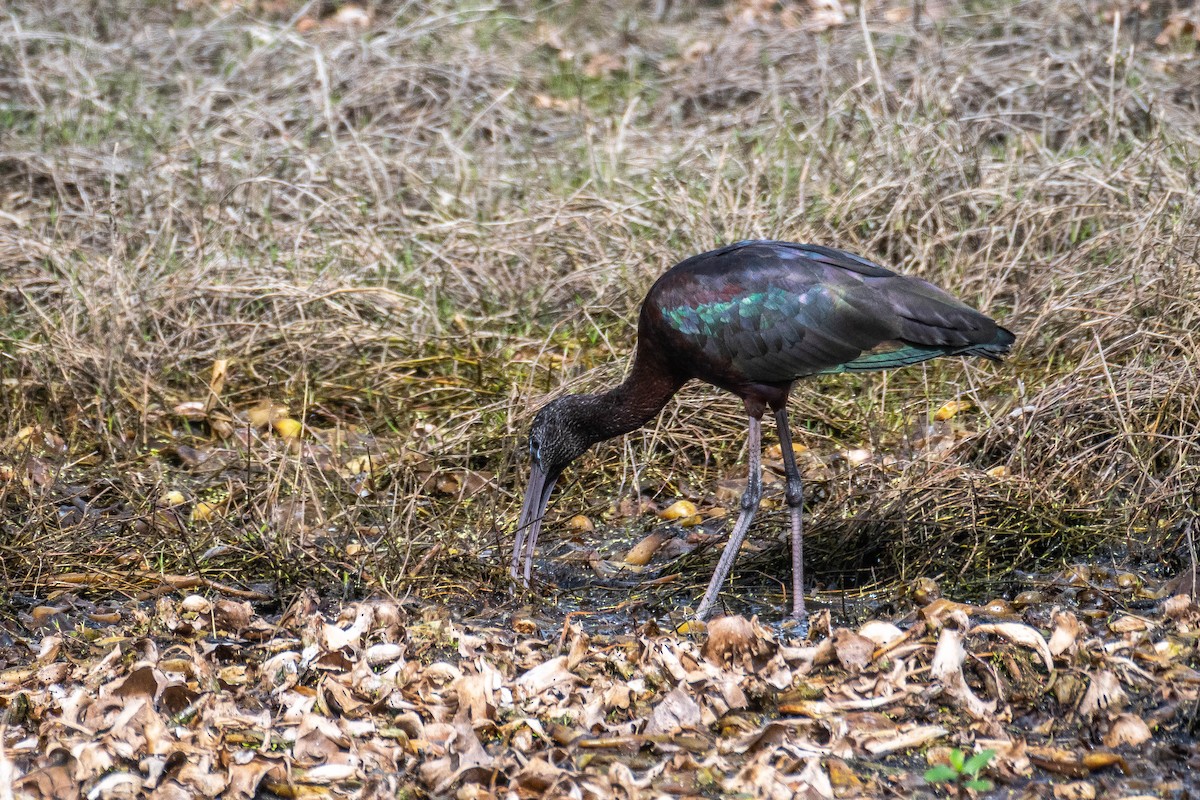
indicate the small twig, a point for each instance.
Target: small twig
{"x":1188,"y":532}
{"x":1112,"y":79}
{"x":425,"y":559}
{"x":862,"y":22}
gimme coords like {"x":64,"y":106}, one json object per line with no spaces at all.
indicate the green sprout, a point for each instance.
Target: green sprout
{"x":962,"y":772}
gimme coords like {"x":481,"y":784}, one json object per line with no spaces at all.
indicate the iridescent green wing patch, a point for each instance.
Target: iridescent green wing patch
{"x":889,"y":356}
{"x":756,"y":310}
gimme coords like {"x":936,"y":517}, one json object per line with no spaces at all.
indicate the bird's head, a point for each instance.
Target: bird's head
{"x":560,"y":434}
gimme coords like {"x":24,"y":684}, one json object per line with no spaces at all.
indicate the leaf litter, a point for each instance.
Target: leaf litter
{"x":199,"y":696}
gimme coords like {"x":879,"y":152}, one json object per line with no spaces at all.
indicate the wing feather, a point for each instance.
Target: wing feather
{"x":772,"y":312}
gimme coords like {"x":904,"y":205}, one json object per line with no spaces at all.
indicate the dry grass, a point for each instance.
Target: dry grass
{"x":409,"y":235}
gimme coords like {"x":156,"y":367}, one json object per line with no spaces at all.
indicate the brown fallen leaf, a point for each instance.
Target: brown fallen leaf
{"x":476,"y":703}
{"x":997,"y":607}
{"x":676,"y":711}
{"x":951,"y":409}
{"x":195,"y":604}
{"x":205,"y":511}
{"x":946,"y":668}
{"x":264,"y":413}
{"x":144,"y":680}
{"x":1098,"y":759}
{"x":288,"y":429}
{"x":334,"y":637}
{"x":640,"y":554}
{"x":350,"y":16}
{"x":229,"y":615}
{"x":683,"y":511}
{"x":844,"y":780}
{"x":580,"y":524}
{"x":1179,"y":25}
{"x":318,"y":738}
{"x":853,"y":651}
{"x":824,"y":14}
{"x":546,"y":101}
{"x":358,"y":465}
{"x":45,"y":615}
{"x":191,"y":409}
{"x":926,"y":592}
{"x":775,"y":452}
{"x":246,"y":776}
{"x":216,"y":383}
{"x":880,"y":633}
{"x":1177,"y":607}
{"x":729,"y":491}
{"x":729,"y":639}
{"x":547,"y":675}
{"x":463,"y":752}
{"x":1023,"y":635}
{"x":1128,"y":623}
{"x":1104,"y":694}
{"x":1127,"y":729}
{"x":906,"y":737}
{"x":55,"y":781}
{"x":463,"y":481}
{"x":1058,"y":761}
{"x":1075,"y":790}
{"x":537,"y":776}
{"x":1065,"y":633}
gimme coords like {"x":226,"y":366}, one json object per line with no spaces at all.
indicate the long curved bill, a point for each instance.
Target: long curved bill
{"x":537,"y":496}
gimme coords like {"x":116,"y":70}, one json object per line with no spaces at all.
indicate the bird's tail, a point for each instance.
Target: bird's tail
{"x":993,"y":350}
{"x":900,"y":353}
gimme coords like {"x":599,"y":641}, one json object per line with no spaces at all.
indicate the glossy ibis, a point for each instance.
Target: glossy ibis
{"x":752,"y":318}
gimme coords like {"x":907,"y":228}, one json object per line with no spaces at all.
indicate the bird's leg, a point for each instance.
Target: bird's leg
{"x":750,"y":500}
{"x":795,"y":501}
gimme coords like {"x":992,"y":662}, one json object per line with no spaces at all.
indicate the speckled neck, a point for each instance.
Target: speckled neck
{"x":639,"y":398}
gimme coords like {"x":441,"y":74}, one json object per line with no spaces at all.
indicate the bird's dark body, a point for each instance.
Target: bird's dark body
{"x":753,"y":318}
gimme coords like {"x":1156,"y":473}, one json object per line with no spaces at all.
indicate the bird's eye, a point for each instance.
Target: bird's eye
{"x":535,"y":449}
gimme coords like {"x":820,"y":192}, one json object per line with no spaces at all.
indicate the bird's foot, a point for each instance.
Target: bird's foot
{"x":794,"y":626}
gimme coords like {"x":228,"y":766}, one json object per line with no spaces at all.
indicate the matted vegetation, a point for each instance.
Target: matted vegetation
{"x":405,"y":226}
